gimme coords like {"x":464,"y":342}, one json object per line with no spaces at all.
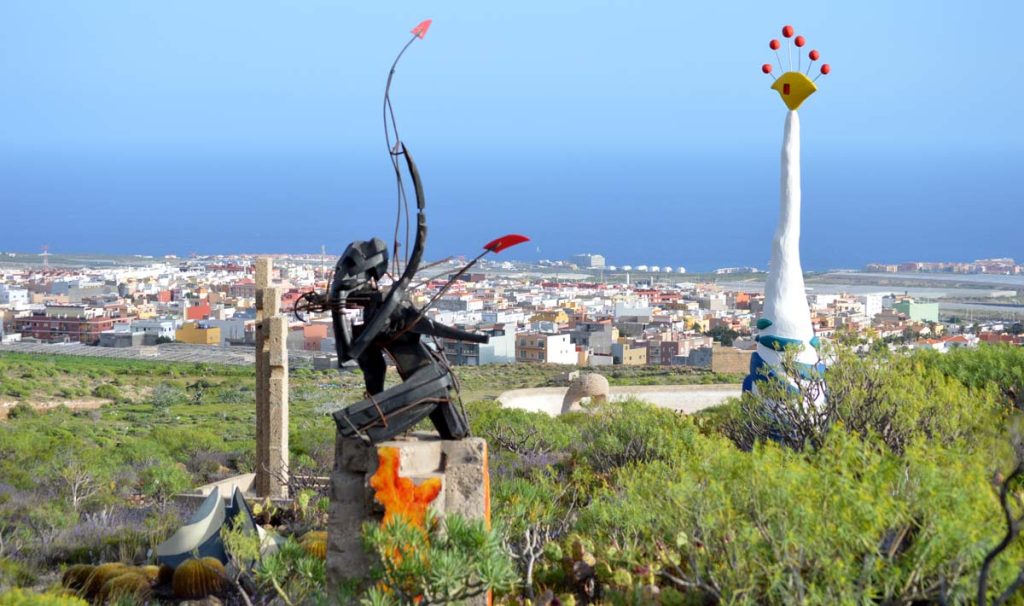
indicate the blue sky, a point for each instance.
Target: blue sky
{"x":642,"y":130}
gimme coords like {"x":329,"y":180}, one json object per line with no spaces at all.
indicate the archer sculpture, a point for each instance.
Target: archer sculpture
{"x":391,"y":325}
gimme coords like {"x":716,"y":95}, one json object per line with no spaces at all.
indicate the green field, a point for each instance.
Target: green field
{"x":892,"y":499}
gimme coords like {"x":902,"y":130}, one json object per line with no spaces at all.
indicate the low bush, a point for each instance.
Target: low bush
{"x":447,"y":564}
{"x":22,"y":410}
{"x":108,"y":391}
{"x":166,"y":395}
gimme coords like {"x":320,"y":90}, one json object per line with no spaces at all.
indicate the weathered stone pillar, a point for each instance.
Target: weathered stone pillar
{"x":271,"y":387}
{"x":461,"y":465}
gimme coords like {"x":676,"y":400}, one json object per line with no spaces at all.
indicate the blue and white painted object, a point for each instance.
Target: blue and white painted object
{"x":785,"y":326}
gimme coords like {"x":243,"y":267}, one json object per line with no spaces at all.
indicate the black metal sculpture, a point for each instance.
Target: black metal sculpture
{"x":391,"y":325}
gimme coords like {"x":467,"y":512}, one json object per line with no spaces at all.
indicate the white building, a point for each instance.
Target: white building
{"x":872,"y":304}
{"x":155,"y":329}
{"x":589,"y":261}
{"x":551,"y":349}
{"x":13,"y":296}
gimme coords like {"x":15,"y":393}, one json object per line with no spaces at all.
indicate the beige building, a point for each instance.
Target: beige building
{"x":730,"y":359}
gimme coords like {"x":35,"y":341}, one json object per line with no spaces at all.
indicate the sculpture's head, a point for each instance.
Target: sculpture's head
{"x":361,"y":262}
{"x":794,"y":86}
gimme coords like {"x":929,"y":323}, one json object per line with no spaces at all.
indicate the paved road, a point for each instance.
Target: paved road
{"x":167,"y":352}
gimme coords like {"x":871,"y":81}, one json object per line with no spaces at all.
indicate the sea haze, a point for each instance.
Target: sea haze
{"x":638,"y":206}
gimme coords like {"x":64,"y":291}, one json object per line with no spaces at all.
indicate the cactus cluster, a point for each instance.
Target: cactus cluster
{"x":99,"y":577}
{"x":111,"y":581}
{"x":607,"y":573}
{"x":198,"y":578}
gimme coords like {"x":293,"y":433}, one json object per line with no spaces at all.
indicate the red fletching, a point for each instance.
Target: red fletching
{"x":421,"y":29}
{"x":504,"y":242}
{"x":787,"y":31}
{"x":800,"y":41}
{"x":814,"y":55}
{"x":774,"y":45}
{"x":826,"y":68}
{"x":767,"y":68}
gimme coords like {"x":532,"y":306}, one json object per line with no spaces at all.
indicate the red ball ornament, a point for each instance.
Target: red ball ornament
{"x":787,"y":31}
{"x":774,"y":44}
{"x":800,"y":41}
{"x":814,"y":55}
{"x":826,"y":68}
{"x":767,"y":68}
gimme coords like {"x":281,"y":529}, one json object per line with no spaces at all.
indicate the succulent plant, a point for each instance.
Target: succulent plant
{"x":198,"y":578}
{"x":75,"y":577}
{"x":99,"y":577}
{"x":131,"y":585}
{"x":622,"y":578}
{"x":23,"y":597}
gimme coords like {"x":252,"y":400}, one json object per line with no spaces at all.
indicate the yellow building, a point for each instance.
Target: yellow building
{"x":697,"y":324}
{"x":627,"y":354}
{"x":196,"y":333}
{"x":558,"y":316}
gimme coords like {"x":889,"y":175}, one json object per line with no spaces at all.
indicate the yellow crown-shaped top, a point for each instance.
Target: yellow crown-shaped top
{"x":794,"y":88}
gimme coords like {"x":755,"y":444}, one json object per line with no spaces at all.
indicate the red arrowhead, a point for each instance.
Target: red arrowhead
{"x":505,"y":242}
{"x":421,"y":29}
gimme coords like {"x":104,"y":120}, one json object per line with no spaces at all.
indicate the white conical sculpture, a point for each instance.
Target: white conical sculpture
{"x":785,"y":326}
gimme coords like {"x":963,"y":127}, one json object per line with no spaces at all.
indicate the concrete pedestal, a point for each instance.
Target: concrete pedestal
{"x":460,"y":464}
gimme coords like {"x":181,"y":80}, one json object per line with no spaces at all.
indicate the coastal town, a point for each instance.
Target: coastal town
{"x":577,"y":312}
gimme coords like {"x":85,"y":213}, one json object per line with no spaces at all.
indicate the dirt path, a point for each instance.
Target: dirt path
{"x":684,"y":398}
{"x":80,"y":404}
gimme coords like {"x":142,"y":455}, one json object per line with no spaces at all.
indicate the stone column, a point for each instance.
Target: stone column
{"x":271,"y":387}
{"x":461,"y":466}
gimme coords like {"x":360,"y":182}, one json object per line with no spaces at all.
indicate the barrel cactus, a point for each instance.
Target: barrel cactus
{"x":198,"y":578}
{"x":151,"y":572}
{"x":132,"y":585}
{"x":75,"y":577}
{"x":99,"y":577}
{"x":315,"y":543}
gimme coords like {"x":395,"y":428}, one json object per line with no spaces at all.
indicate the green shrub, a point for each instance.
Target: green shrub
{"x":999,"y":366}
{"x":436,"y":567}
{"x":620,"y":433}
{"x":22,"y":410}
{"x":16,"y":390}
{"x":166,"y":395}
{"x":164,"y":480}
{"x":851,"y":522}
{"x":107,"y":391}
{"x":16,"y":573}
{"x":895,"y":396}
{"x":18,"y":597}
